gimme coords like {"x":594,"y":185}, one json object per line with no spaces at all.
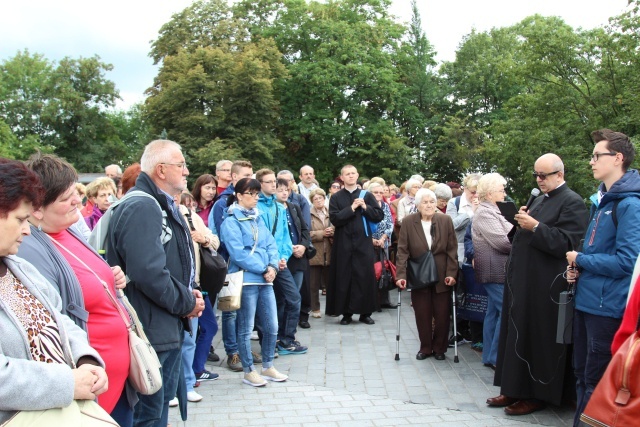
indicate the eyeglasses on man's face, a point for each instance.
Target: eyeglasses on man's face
{"x":596,"y":156}
{"x":182,"y":165}
{"x":542,"y":175}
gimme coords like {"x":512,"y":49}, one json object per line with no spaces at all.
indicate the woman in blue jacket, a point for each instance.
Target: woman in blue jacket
{"x":253,"y":249}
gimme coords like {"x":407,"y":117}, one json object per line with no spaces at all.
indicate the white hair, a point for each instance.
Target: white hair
{"x":157,"y":152}
{"x":443,"y":191}
{"x":489,"y":183}
{"x":221,"y":163}
{"x":418,"y":178}
{"x":411,"y":183}
{"x":373,"y":185}
{"x":118,"y":169}
{"x":425,"y":192}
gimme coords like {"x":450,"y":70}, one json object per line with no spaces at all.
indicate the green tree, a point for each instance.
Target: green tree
{"x":60,"y":107}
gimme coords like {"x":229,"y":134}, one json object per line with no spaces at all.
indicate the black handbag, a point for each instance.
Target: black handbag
{"x":213,"y":268}
{"x":422,"y":272}
{"x":311,"y":251}
{"x":387,"y":280}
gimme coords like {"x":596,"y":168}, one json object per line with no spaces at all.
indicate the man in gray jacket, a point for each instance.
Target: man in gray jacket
{"x":161,"y":272}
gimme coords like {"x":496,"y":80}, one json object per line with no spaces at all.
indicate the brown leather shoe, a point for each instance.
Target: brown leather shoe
{"x":524,"y":407}
{"x":500,"y":401}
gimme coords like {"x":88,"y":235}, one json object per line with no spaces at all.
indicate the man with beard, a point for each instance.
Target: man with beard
{"x":531,"y":365}
{"x":352,"y":288}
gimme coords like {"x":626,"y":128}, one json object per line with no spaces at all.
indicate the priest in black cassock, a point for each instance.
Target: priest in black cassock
{"x":531,"y":366}
{"x":352,"y":285}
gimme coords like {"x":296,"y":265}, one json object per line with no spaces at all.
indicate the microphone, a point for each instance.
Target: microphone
{"x":534,"y":193}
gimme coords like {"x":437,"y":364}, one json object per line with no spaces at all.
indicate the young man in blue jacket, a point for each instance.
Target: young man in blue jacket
{"x":274,"y":216}
{"x":604,"y":267}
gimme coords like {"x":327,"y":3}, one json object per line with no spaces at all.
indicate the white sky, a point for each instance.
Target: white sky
{"x":119,"y":31}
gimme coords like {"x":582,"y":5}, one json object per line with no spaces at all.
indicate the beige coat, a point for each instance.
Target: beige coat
{"x":319,"y":240}
{"x":198,"y":224}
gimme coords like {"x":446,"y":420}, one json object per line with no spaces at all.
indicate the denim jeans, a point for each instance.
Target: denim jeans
{"x":208,"y":330}
{"x":123,"y":412}
{"x":188,"y":349}
{"x":153,"y":410}
{"x":491,"y":329}
{"x":258,"y":302}
{"x":592,"y":338}
{"x":288,"y":302}
{"x":229,"y":333}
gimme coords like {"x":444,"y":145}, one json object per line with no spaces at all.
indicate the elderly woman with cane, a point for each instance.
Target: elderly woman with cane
{"x":422,"y":232}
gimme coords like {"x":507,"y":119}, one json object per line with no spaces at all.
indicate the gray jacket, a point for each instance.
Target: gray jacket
{"x":490,"y":244}
{"x":24,"y":383}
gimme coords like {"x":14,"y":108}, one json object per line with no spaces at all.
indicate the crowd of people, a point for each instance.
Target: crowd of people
{"x":295,"y":242}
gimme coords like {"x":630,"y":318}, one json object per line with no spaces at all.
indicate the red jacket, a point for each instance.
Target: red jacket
{"x":630,"y":319}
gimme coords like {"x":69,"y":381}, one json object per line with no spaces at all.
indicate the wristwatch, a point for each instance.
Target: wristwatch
{"x":535,"y":227}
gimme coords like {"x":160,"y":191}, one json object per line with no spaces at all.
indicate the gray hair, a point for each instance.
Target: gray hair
{"x":488,"y":184}
{"x":443,"y":191}
{"x":306,"y":166}
{"x":418,"y":178}
{"x":373,"y":185}
{"x":425,"y":192}
{"x":285,"y":172}
{"x":221,"y":163}
{"x":118,"y":168}
{"x":411,"y":183}
{"x":157,"y":152}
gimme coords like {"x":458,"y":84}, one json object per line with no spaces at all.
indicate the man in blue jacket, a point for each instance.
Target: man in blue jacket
{"x":274,"y":216}
{"x":161,"y":273}
{"x":605,"y":265}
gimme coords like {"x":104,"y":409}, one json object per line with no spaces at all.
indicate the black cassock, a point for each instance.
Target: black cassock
{"x":530,"y":363}
{"x":352,"y":286}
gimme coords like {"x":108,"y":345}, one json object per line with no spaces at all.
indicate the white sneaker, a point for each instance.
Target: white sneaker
{"x":192,"y":396}
{"x":173,"y":402}
{"x":272,"y":374}
{"x":254,"y":380}
{"x":254,"y":336}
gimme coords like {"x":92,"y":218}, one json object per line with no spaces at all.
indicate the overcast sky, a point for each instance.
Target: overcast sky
{"x":119,"y":31}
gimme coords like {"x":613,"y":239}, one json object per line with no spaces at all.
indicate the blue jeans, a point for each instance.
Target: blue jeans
{"x":258,"y":301}
{"x":153,"y":410}
{"x":491,"y":329}
{"x":592,"y":338}
{"x":208,"y":330}
{"x":188,"y":349}
{"x":229,"y":332}
{"x":288,"y":302}
{"x":123,"y":412}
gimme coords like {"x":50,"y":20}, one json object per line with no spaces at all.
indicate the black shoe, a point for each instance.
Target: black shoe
{"x":389,"y":305}
{"x":490,"y":365}
{"x":367,"y":319}
{"x":346,"y":320}
{"x":438,"y":356}
{"x":422,"y":356}
{"x":304,"y":325}
{"x":213,"y":357}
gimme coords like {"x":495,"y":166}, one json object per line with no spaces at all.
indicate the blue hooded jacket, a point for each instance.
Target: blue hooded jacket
{"x":238,"y":232}
{"x":609,"y":253}
{"x":219,"y":210}
{"x":268,"y":206}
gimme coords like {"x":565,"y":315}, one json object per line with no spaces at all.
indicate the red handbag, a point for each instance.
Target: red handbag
{"x":388,"y":265}
{"x":616,"y":399}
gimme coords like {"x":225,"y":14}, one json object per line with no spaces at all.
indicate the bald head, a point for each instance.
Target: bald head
{"x":550,"y":167}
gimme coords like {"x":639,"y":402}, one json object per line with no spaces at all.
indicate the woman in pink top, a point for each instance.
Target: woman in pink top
{"x":81,"y":277}
{"x":204,"y":192}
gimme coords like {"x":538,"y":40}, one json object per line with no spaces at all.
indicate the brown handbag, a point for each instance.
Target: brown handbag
{"x":616,"y":399}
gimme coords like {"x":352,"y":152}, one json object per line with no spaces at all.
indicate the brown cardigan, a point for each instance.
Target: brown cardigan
{"x":413,"y":243}
{"x":319,"y":240}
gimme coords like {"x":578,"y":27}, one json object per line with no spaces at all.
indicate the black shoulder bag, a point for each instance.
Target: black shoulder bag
{"x":213,"y":268}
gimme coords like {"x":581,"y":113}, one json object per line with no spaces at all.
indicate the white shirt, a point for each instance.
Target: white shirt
{"x":426,"y":226}
{"x":305,"y":191}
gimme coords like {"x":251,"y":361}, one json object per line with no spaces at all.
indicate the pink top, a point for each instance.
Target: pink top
{"x":107,"y":331}
{"x":204,"y":213}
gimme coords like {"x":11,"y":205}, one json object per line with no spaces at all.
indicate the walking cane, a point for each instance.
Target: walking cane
{"x":455,"y":328}
{"x":398,"y":330}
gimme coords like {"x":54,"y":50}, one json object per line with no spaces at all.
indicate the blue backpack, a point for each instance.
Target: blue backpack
{"x":369,"y":227}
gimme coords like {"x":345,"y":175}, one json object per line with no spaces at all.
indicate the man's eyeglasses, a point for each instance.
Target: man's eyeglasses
{"x":252,"y":194}
{"x":224,"y":170}
{"x":182,"y":165}
{"x":596,"y":156}
{"x":543,"y":176}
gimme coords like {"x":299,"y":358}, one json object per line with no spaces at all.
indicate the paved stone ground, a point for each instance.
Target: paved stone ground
{"x":349,"y":378}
